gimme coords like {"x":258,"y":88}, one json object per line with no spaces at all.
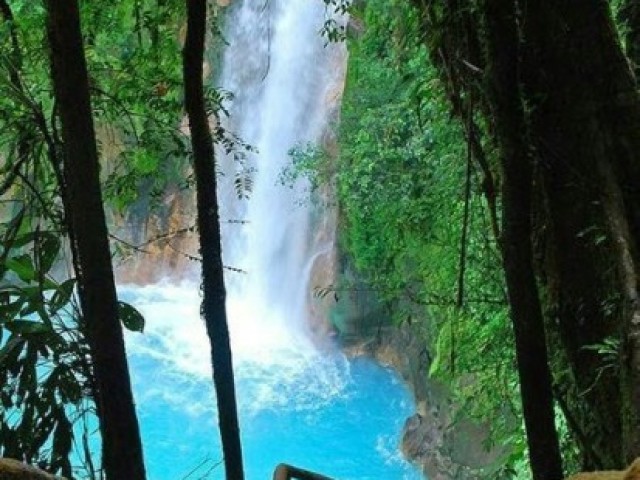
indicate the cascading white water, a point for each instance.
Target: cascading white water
{"x":283,"y":78}
{"x":281,"y":73}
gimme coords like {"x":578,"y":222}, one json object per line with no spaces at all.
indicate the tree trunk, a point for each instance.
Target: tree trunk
{"x":585,"y":118}
{"x":526,"y":312}
{"x":122,"y":448}
{"x":210,"y":246}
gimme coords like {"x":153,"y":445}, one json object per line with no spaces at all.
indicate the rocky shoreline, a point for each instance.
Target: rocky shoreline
{"x":437,"y":438}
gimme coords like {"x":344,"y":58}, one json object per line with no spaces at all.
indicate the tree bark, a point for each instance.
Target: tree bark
{"x":122,"y":448}
{"x":585,"y":123}
{"x":526,"y":312}
{"x":213,"y":306}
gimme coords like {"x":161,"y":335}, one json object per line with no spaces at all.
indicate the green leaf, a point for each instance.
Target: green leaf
{"x":145,"y":161}
{"x":33,"y":300}
{"x":48,"y":246}
{"x":62,"y":295}
{"x":131,"y":318}
{"x":24,"y":239}
{"x":22,"y":266}
{"x":10,"y":234}
{"x":26,"y":327}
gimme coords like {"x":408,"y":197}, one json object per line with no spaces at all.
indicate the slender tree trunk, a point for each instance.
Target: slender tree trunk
{"x":122,"y":448}
{"x":213,"y":307}
{"x":526,"y":312}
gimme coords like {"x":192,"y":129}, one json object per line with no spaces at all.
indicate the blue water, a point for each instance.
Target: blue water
{"x":315,"y":410}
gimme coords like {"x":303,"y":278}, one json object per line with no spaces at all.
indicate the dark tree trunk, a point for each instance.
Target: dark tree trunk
{"x":526,"y":312}
{"x":585,"y":117}
{"x":122,"y":448}
{"x":213,"y":307}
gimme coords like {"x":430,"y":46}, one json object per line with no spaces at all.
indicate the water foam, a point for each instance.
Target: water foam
{"x":274,"y":367}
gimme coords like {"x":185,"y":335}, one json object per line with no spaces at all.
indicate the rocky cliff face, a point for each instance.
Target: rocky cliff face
{"x":153,"y":239}
{"x":161,"y":245}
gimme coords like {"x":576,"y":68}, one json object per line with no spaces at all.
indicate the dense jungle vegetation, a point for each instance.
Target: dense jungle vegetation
{"x":488,"y":156}
{"x":488,"y":185}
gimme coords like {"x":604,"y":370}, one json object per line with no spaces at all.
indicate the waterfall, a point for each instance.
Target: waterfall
{"x":283,"y":77}
{"x":284,"y":83}
{"x":297,"y":403}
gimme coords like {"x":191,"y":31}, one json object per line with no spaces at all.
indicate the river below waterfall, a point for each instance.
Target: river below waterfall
{"x":316,"y":410}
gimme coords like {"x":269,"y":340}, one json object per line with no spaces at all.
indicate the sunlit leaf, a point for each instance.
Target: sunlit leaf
{"x":22,"y":266}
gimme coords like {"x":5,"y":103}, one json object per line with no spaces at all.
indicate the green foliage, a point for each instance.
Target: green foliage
{"x":45,"y":367}
{"x":134,"y":57}
{"x":44,"y":372}
{"x":133,"y":54}
{"x":388,"y":208}
{"x":333,"y":28}
{"x":309,"y":163}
